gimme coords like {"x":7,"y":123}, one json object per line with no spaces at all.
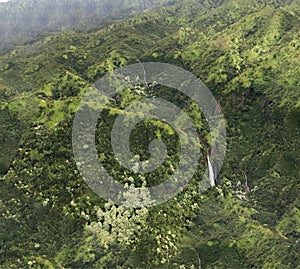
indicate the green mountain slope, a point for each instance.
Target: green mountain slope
{"x":247,"y":52}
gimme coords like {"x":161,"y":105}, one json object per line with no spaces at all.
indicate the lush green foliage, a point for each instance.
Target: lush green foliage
{"x":248,"y":54}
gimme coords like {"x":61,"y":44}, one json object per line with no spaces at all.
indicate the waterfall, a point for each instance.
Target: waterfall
{"x":211,"y":174}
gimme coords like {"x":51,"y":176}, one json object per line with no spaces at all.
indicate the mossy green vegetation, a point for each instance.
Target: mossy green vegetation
{"x":247,"y":52}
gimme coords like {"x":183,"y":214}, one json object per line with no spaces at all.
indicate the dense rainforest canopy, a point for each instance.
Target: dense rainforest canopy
{"x":248,"y":54}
